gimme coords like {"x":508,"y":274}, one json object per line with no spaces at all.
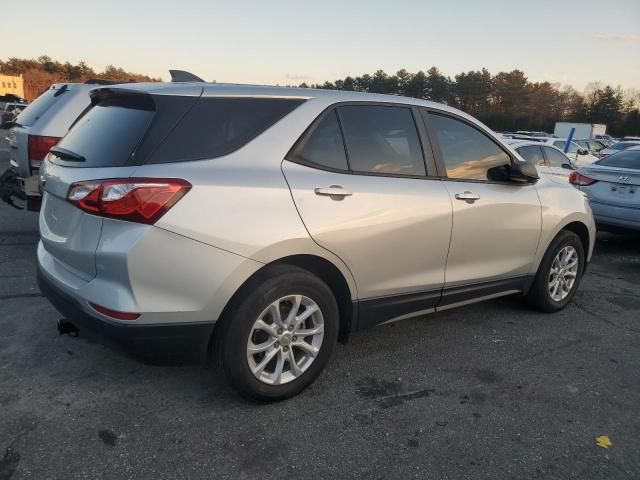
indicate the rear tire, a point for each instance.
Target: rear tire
{"x":557,"y":278}
{"x":285,"y":362}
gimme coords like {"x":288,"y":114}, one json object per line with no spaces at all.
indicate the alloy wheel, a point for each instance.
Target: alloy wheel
{"x":285,"y":339}
{"x":564,"y":271}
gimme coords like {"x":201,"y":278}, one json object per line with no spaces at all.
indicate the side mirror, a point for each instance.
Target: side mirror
{"x":523,"y":172}
{"x":517,"y":172}
{"x":567,"y":166}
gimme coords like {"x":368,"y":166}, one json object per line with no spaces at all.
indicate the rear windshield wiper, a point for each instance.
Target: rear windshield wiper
{"x":68,"y":155}
{"x":63,"y":89}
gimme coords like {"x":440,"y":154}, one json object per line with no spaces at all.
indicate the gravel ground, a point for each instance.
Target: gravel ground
{"x":492,"y":390}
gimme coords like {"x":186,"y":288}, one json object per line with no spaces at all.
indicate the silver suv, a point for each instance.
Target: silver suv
{"x":261,"y":224}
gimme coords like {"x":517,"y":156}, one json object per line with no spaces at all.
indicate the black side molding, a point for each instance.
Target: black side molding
{"x":467,"y":293}
{"x":374,"y":311}
{"x":371,"y":312}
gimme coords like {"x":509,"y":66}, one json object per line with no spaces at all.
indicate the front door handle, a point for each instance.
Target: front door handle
{"x":333,"y":191}
{"x":468,"y":196}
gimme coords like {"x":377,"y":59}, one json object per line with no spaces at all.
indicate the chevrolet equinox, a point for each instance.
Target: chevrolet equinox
{"x":259,"y":225}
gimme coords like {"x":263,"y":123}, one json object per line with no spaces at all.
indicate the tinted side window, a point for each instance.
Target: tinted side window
{"x":555,"y":158}
{"x":532,"y":153}
{"x":217,"y":126}
{"x":382,"y":139}
{"x":323,"y":146}
{"x":467,"y":153}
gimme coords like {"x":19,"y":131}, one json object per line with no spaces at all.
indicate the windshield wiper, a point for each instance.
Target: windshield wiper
{"x":68,"y":155}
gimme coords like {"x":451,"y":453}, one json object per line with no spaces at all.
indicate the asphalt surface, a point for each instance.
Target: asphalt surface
{"x":493,"y":390}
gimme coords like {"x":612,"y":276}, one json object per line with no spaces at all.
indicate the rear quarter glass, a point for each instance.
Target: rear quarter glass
{"x":217,"y":126}
{"x":136,"y":129}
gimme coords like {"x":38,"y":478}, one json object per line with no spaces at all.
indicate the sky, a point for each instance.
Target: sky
{"x":289,"y":42}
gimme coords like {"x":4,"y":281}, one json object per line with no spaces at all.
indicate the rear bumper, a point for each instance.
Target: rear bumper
{"x":164,"y":343}
{"x":616,"y":216}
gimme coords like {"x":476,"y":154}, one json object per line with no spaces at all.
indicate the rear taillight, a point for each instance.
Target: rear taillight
{"x":141,"y":200}
{"x":576,"y":179}
{"x":38,"y":147}
{"x":602,"y":155}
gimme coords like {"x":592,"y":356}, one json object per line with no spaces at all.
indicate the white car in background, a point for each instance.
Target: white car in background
{"x":580,"y":156}
{"x":547,"y":158}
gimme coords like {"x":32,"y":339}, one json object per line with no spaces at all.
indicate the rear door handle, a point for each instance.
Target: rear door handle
{"x":468,"y":196}
{"x":333,"y":191}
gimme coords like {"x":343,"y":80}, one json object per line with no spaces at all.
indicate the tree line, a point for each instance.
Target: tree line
{"x":507,"y":100}
{"x":40,"y":73}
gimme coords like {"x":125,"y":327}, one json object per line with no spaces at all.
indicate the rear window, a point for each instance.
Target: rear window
{"x":34,"y":111}
{"x":107,"y":134}
{"x":218,"y":126}
{"x":625,"y":159}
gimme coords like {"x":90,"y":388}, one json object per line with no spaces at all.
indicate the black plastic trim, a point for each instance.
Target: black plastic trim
{"x":464,"y":293}
{"x":159,"y":342}
{"x":372,"y":312}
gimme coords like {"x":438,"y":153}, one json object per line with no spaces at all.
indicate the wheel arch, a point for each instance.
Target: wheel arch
{"x":326,"y":270}
{"x":573,"y":224}
{"x":582,"y":231}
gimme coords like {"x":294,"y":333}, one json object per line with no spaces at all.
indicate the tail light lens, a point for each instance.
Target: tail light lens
{"x":38,"y":147}
{"x":141,"y":200}
{"x":576,"y":179}
{"x":114,"y":313}
{"x":602,"y":155}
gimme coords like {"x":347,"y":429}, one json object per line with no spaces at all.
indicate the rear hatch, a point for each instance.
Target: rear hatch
{"x":100,"y":145}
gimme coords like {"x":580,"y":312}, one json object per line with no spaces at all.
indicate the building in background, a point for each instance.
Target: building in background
{"x":12,"y":84}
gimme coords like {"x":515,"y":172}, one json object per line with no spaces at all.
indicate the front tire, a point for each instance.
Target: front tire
{"x":277,"y":337}
{"x":559,"y":273}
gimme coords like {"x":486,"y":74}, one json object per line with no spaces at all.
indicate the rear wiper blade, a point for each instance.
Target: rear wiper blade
{"x":68,"y":155}
{"x":63,"y":89}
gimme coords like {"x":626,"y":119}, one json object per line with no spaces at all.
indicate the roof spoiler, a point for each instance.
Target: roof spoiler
{"x":178,"y":76}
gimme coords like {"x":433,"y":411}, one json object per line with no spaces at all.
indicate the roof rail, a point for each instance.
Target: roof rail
{"x":178,"y":76}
